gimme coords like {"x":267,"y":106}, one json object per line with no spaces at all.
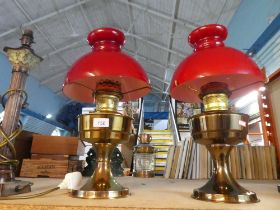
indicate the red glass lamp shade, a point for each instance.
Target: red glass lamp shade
{"x":105,"y":62}
{"x":211,"y":61}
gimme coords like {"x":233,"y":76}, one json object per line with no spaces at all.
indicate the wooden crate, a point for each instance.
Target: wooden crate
{"x":57,"y":145}
{"x":52,"y":157}
{"x":44,"y":168}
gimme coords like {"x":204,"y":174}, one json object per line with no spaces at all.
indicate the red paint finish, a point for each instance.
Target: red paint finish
{"x":105,"y":62}
{"x":211,"y":61}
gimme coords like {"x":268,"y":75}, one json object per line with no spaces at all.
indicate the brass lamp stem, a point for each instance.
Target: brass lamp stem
{"x":221,"y":172}
{"x":101,"y":178}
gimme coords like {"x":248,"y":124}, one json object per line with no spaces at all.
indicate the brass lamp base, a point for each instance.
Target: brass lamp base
{"x":241,"y":197}
{"x":219,"y":130}
{"x":222,"y":187}
{"x":87,"y":191}
{"x":102,"y":184}
{"x":144,"y":174}
{"x":100,"y":194}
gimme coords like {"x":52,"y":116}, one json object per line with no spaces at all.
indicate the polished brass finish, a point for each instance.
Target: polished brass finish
{"x":144,"y":174}
{"x":145,"y":138}
{"x":219,"y":127}
{"x":142,"y":148}
{"x":222,"y":187}
{"x":219,"y":131}
{"x":146,"y":151}
{"x":107,"y":96}
{"x":107,"y":102}
{"x":215,"y":101}
{"x":102,"y":184}
{"x":112,"y":128}
{"x":117,"y":132}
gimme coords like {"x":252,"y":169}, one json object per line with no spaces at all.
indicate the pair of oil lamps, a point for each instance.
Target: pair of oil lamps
{"x":212,"y":74}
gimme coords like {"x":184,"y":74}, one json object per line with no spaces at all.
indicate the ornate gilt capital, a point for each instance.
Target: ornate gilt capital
{"x":23,"y":58}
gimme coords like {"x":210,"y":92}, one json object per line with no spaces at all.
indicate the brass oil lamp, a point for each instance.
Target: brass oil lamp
{"x":213,"y":74}
{"x":144,"y":157}
{"x":105,"y":76}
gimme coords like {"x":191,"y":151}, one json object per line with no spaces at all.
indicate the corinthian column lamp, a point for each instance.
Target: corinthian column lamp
{"x":22,"y":59}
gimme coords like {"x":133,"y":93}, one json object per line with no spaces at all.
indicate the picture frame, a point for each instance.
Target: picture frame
{"x":183,"y":112}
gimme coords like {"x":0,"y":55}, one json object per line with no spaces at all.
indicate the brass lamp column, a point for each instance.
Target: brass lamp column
{"x":105,"y":76}
{"x":22,"y":59}
{"x":105,"y":128}
{"x":219,"y":129}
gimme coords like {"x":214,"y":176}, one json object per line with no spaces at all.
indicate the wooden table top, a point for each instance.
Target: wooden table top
{"x":151,"y":193}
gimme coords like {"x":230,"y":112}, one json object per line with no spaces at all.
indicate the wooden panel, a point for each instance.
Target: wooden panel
{"x":52,"y":157}
{"x":56,"y":145}
{"x":153,"y":193}
{"x":23,"y":144}
{"x":274,"y":96}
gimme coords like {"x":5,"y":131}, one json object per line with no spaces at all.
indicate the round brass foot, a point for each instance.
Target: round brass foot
{"x":98,"y":189}
{"x":144,"y":174}
{"x":100,"y":194}
{"x":246,"y":197}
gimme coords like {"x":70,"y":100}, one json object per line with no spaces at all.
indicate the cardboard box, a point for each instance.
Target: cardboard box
{"x":57,"y":145}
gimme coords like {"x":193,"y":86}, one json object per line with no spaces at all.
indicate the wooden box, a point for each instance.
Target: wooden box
{"x":57,"y":145}
{"x":22,"y":145}
{"x":52,"y":157}
{"x":44,"y":168}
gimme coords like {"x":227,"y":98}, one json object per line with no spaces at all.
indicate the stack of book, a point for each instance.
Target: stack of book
{"x":188,"y":160}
